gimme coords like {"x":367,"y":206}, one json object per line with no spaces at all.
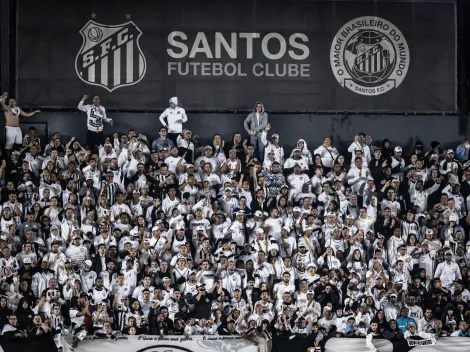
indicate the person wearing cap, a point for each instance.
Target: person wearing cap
{"x":262,"y":242}
{"x":296,"y":158}
{"x":296,"y":180}
{"x":397,"y":163}
{"x":231,"y":279}
{"x":184,"y":179}
{"x":450,"y":165}
{"x":448,"y":271}
{"x":227,"y":202}
{"x":208,"y":157}
{"x":173,"y":118}
{"x":303,"y":254}
{"x":272,"y":147}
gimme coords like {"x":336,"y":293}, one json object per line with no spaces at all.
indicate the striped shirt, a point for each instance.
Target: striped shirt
{"x":110,"y":190}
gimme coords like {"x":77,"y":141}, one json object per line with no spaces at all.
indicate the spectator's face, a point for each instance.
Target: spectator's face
{"x":404,"y":312}
{"x":286,"y":278}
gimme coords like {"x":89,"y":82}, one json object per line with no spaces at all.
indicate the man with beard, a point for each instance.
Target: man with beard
{"x":295,"y":159}
{"x":448,"y":271}
{"x":41,"y":278}
{"x":426,"y":323}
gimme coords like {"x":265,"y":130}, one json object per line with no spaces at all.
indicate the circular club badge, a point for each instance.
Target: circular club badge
{"x":369,"y":56}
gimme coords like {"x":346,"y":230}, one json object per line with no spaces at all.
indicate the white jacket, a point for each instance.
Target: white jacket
{"x":40,"y":281}
{"x":356,"y":177}
{"x":420,"y":198}
{"x":173,"y":115}
{"x":328,"y":155}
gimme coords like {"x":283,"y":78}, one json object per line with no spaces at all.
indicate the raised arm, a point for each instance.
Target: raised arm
{"x":4,"y":98}
{"x":81,"y":104}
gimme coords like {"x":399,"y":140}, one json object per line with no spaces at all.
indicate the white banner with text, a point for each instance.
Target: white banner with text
{"x":164,"y":344}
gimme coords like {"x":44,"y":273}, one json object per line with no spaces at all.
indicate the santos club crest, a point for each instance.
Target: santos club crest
{"x":369,"y":56}
{"x":110,"y":56}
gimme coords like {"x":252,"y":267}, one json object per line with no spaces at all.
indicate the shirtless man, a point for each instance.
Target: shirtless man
{"x":12,"y":112}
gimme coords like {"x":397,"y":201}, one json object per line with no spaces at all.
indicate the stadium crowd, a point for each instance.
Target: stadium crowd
{"x":122,"y":235}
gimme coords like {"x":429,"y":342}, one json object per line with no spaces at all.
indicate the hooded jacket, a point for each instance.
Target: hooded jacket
{"x":250,"y":123}
{"x":304,"y":151}
{"x":24,"y":315}
{"x":172,"y":115}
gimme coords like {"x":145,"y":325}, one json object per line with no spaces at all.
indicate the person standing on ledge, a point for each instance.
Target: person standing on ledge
{"x":96,"y":114}
{"x":12,"y":112}
{"x":254,"y":124}
{"x":175,"y":117}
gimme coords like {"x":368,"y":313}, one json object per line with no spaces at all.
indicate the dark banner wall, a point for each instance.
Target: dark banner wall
{"x":225,"y":55}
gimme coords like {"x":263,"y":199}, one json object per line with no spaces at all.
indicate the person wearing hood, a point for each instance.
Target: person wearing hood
{"x":387,"y":149}
{"x":304,"y":152}
{"x":24,"y":314}
{"x":254,"y":124}
{"x":173,"y":118}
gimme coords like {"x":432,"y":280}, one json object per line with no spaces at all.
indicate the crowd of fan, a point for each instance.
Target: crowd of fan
{"x":174,"y":237}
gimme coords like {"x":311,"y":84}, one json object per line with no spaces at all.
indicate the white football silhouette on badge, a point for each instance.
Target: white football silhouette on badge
{"x":95,"y":34}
